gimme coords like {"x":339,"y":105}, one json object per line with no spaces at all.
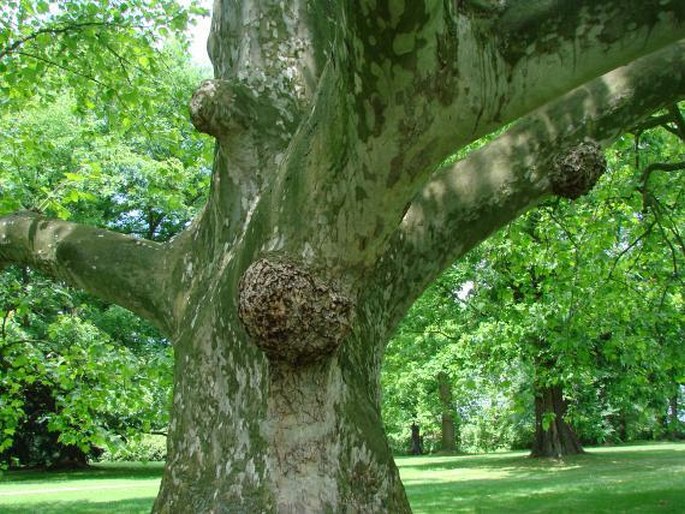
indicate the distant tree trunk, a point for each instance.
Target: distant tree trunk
{"x":449,"y":426}
{"x":416,"y":444}
{"x":553,"y":436}
{"x":622,"y":425}
{"x":674,"y":424}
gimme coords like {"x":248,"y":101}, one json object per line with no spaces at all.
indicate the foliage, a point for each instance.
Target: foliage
{"x":78,"y":375}
{"x":69,"y":388}
{"x":101,"y":51}
{"x":140,"y":448}
{"x":585,"y":295}
{"x":80,"y":166}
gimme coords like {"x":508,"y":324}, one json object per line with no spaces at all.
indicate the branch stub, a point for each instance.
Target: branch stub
{"x":212,"y":108}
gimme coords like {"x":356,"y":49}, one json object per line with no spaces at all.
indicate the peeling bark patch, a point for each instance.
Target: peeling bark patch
{"x":576,"y":172}
{"x":291,"y":315}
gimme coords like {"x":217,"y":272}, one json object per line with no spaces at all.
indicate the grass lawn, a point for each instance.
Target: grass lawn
{"x":630,"y":479}
{"x":117,"y":488}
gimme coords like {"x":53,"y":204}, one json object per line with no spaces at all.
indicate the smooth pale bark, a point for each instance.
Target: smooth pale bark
{"x":329,"y":213}
{"x":115,"y":267}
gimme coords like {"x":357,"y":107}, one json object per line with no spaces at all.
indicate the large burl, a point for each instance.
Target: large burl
{"x":575,"y":172}
{"x":293,"y":316}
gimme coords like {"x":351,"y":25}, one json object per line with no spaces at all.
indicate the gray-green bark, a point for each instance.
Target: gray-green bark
{"x":329,"y":213}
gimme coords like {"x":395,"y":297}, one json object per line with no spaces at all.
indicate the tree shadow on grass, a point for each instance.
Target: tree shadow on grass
{"x":622,"y":480}
{"x":522,"y":462}
{"x":131,"y":471}
{"x":129,"y":506}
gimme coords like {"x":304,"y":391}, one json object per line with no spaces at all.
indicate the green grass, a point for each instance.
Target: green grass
{"x":105,"y":488}
{"x":630,"y":479}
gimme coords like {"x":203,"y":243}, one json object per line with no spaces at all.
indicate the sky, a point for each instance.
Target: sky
{"x":198,"y":36}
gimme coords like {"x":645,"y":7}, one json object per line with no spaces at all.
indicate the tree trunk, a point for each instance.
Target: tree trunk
{"x":554,"y":437}
{"x":416,"y":442}
{"x":674,"y":423}
{"x":290,"y":424}
{"x":330,"y":211}
{"x":448,"y":425}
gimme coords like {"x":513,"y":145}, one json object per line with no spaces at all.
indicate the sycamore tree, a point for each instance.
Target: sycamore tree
{"x":329,"y":212}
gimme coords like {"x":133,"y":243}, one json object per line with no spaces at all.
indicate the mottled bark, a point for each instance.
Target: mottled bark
{"x":255,"y":431}
{"x":329,"y":213}
{"x":118,"y":268}
{"x":554,"y":437}
{"x":465,"y":202}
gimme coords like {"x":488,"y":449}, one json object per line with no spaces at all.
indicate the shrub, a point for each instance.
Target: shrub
{"x":144,"y":448}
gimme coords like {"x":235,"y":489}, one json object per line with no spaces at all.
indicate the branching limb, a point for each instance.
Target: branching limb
{"x":647,"y":172}
{"x":15,"y":45}
{"x":113,"y":266}
{"x":463,"y":204}
{"x":411,"y":82}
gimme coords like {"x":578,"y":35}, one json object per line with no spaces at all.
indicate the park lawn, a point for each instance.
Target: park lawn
{"x":630,"y":479}
{"x":121,"y":488}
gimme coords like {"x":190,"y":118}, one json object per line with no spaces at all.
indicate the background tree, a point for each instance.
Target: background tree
{"x":574,"y":297}
{"x":80,"y":374}
{"x":329,"y":213}
{"x":104,"y":52}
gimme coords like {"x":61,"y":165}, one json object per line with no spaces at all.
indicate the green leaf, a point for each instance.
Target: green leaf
{"x":547,"y":420}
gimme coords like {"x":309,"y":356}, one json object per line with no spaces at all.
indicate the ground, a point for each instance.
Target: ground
{"x":638,"y":479}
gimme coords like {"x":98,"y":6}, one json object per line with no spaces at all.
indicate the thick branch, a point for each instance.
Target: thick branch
{"x":488,"y":63}
{"x":465,"y":203}
{"x":410,"y":84}
{"x":661,"y":166}
{"x":112,"y":266}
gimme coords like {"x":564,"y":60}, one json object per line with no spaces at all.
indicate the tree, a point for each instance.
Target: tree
{"x":104,"y":51}
{"x":78,"y":374}
{"x":329,"y":213}
{"x":582,"y":298}
{"x":68,"y":388}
